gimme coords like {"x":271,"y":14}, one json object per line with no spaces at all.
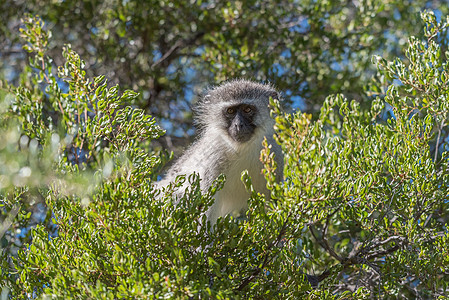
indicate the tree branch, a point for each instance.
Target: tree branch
{"x":176,"y":46}
{"x":9,"y":219}
{"x":266,"y":257}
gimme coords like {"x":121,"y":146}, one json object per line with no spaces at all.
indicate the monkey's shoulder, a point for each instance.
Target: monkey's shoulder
{"x":205,"y":159}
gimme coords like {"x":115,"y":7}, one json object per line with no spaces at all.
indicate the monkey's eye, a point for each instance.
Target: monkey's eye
{"x":247,"y":109}
{"x":230,"y":110}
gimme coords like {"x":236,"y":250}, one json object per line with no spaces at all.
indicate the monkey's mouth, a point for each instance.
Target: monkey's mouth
{"x":242,"y":135}
{"x":242,"y":138}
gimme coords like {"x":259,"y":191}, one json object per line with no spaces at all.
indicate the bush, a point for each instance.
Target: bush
{"x":362,"y":212}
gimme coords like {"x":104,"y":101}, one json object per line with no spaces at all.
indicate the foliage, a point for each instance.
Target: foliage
{"x":168,"y":51}
{"x":362,"y":212}
{"x":372,"y":194}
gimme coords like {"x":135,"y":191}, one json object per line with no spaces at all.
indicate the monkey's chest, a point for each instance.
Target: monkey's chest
{"x":233,"y":198}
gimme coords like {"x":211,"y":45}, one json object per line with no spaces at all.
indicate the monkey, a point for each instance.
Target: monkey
{"x":232,"y":120}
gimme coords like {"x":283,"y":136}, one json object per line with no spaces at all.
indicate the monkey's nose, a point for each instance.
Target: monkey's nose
{"x":238,"y":127}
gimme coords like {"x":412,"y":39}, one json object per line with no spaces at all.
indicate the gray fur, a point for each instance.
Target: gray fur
{"x":214,"y":152}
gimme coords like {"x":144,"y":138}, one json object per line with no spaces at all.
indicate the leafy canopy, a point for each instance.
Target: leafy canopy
{"x":362,"y":212}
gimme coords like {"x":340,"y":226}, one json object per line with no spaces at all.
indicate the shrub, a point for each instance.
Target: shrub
{"x":362,"y":212}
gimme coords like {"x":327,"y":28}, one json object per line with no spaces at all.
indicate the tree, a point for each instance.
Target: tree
{"x":362,"y":211}
{"x":168,"y":51}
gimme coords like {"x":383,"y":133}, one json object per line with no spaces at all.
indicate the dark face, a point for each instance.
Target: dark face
{"x":239,"y":121}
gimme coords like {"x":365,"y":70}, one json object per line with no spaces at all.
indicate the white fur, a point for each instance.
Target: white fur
{"x":233,"y":198}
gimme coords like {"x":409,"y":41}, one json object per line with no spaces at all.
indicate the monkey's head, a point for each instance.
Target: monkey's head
{"x":237,"y":108}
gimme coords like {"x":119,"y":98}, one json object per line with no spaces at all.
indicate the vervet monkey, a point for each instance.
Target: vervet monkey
{"x":233,"y":119}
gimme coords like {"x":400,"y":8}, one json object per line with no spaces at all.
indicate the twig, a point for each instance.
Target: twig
{"x":438,"y":141}
{"x":175,"y":47}
{"x":386,"y":241}
{"x":170,"y":51}
{"x":9,"y":219}
{"x":323,"y":241}
{"x":266,"y":258}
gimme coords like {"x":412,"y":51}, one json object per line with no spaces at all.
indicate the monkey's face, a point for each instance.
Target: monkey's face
{"x":239,"y":120}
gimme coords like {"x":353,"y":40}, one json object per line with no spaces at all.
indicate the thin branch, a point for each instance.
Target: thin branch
{"x":314,"y":280}
{"x":324,"y":243}
{"x":9,"y":219}
{"x":266,"y":257}
{"x":438,"y":141}
{"x":167,"y":54}
{"x":386,"y":241}
{"x":173,"y":49}
{"x":383,"y":252}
